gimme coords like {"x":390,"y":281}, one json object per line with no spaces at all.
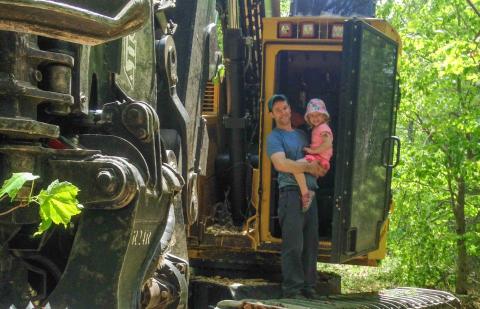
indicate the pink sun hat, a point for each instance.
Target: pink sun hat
{"x":316,"y":106}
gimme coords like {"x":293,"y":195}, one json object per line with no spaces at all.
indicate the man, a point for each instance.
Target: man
{"x":299,"y":230}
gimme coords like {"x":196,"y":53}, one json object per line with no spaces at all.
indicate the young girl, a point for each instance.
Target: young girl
{"x":321,"y":146}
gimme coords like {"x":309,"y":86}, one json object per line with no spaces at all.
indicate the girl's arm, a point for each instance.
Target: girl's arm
{"x":326,"y":144}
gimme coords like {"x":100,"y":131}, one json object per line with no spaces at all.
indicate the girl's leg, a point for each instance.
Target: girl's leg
{"x":306,"y":195}
{"x":301,"y":180}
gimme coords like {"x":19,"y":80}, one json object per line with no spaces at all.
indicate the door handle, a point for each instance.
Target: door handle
{"x":392,"y":140}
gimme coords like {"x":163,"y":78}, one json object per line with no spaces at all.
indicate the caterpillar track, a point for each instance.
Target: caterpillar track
{"x":394,"y":298}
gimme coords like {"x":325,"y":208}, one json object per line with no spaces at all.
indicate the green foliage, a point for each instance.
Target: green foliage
{"x":361,"y":279}
{"x":437,"y":185}
{"x":285,"y":8}
{"x":57,"y":204}
{"x":12,"y":185}
{"x":422,"y":239}
{"x":220,"y":34}
{"x":220,"y":74}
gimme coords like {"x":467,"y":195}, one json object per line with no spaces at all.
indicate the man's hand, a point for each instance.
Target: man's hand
{"x":285,"y":165}
{"x":308,"y":150}
{"x":316,"y":169}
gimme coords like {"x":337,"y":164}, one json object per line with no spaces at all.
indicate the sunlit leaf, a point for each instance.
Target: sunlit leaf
{"x":58,"y":203}
{"x":220,"y":74}
{"x":44,"y":226}
{"x":12,"y":185}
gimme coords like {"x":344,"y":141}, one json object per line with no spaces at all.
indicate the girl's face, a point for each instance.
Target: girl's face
{"x":317,"y":119}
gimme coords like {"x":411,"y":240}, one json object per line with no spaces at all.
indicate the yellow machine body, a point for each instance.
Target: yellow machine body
{"x":256,"y":238}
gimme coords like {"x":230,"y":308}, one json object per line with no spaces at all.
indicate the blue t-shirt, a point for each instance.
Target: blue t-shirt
{"x":292,"y":144}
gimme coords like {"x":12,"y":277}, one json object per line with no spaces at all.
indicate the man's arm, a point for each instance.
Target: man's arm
{"x":282,"y":164}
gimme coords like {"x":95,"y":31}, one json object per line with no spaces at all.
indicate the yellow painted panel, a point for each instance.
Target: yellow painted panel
{"x":381,"y":252}
{"x":270,"y":28}
{"x":252,"y":224}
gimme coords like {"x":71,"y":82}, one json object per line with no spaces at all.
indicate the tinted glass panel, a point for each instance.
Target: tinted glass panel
{"x":373,"y":124}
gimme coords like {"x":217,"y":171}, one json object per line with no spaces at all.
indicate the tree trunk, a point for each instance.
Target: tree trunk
{"x":461,"y":284}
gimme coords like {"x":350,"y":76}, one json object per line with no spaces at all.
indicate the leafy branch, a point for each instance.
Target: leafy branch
{"x":473,"y":7}
{"x":57,"y":204}
{"x":13,"y":209}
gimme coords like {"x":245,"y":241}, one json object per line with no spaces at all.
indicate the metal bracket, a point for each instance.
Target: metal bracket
{"x":174,"y":180}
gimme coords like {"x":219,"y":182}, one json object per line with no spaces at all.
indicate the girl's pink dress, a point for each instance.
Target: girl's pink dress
{"x":323,"y":157}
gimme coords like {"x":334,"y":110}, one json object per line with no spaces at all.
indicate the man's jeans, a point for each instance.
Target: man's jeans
{"x":299,"y":241}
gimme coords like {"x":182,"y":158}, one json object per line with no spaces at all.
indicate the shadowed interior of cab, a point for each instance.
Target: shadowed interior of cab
{"x":302,"y":76}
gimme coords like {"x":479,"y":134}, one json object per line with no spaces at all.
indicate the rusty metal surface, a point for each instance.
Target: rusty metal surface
{"x":88,"y":24}
{"x":106,"y":182}
{"x":207,"y":290}
{"x":168,"y":287}
{"x":30,"y":76}
{"x":394,"y":298}
{"x":90,"y":115}
{"x":26,"y":128}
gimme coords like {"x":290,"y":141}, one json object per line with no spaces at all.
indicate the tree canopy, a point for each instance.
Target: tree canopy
{"x":435,"y":235}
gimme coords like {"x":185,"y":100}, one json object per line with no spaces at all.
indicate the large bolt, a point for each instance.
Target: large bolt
{"x":134,"y":117}
{"x":164,"y":294}
{"x":141,"y":133}
{"x":154,"y":294}
{"x":106,"y":181}
{"x":181,"y":267}
{"x":37,"y":75}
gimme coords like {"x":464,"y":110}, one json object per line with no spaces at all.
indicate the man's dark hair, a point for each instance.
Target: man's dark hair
{"x":274,"y":99}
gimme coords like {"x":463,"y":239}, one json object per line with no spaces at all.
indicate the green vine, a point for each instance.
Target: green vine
{"x":57,"y":203}
{"x":219,"y":74}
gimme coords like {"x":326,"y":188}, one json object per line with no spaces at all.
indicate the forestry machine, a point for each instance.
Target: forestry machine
{"x":126,"y":100}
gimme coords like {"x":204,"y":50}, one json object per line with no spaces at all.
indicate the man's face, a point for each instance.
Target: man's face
{"x":282,"y":113}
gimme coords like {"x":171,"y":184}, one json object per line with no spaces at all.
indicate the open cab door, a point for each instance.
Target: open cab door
{"x":365,"y":141}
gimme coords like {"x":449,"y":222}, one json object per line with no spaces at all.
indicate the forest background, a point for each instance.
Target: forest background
{"x":434,"y":235}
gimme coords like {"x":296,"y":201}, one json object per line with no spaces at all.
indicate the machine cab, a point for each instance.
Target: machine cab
{"x":351,"y":65}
